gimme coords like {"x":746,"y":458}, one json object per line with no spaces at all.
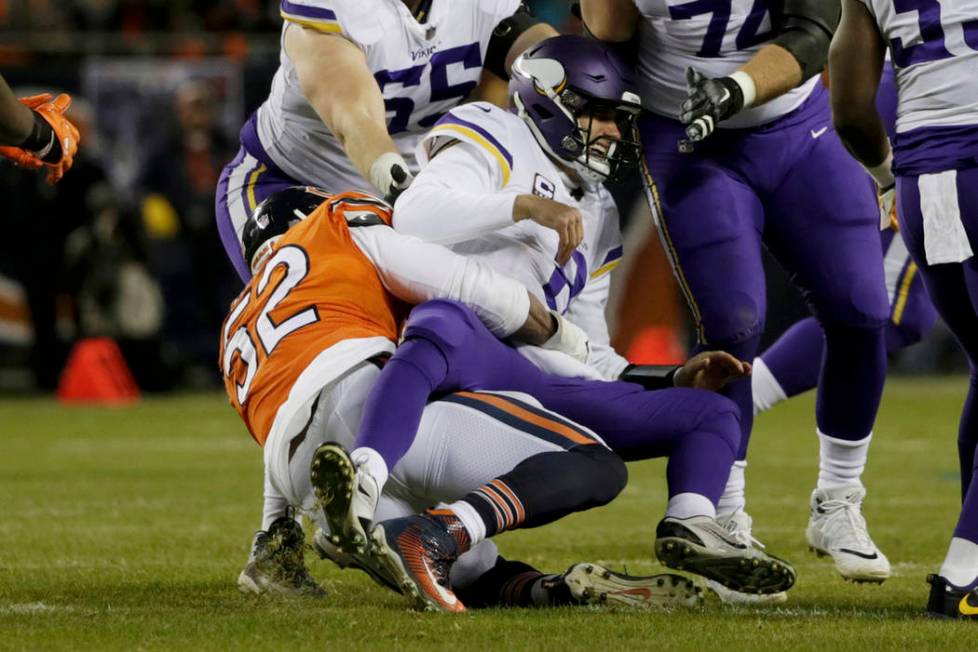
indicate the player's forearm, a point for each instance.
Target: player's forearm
{"x":540,"y":324}
{"x":610,"y":20}
{"x":774,"y":72}
{"x":361,"y":129}
{"x":16,"y":120}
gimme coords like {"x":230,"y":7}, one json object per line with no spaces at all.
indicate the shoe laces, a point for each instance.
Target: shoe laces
{"x":738,"y":525}
{"x":844,"y":523}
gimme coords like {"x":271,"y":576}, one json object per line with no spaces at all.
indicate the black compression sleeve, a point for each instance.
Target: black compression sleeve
{"x":503,"y":37}
{"x":650,"y":376}
{"x":805,"y":28}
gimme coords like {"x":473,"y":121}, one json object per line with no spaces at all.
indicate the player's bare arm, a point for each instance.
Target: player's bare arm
{"x":610,"y":20}
{"x":855,"y":65}
{"x":796,"y":54}
{"x":334,"y":77}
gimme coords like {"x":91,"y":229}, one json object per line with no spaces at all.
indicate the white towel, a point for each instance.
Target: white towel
{"x":945,"y":240}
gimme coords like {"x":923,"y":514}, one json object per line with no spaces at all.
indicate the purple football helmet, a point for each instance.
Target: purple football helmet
{"x":561,"y":79}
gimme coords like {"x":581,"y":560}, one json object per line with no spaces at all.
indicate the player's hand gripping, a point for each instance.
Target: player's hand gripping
{"x":708,"y":102}
{"x":62,"y":152}
{"x":710,"y":370}
{"x":565,"y":220}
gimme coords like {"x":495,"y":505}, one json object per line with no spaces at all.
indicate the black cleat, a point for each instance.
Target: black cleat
{"x":949,"y":601}
{"x":277,"y":562}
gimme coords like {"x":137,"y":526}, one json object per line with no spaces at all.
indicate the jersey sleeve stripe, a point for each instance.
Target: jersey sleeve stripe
{"x":451,"y":124}
{"x":610,"y":262}
{"x":318,"y":18}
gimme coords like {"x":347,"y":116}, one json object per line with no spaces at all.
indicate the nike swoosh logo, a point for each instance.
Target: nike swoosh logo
{"x":859,"y":554}
{"x":816,"y":134}
{"x":481,"y":108}
{"x":447,"y":597}
{"x":966,"y":607}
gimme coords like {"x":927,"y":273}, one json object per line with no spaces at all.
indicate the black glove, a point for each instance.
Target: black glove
{"x":708,"y":102}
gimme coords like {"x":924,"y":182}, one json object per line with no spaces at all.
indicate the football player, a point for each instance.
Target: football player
{"x":934,"y":163}
{"x":790,"y":366}
{"x":739,"y":149}
{"x":306,"y":339}
{"x":357,"y":85}
{"x":34,"y":132}
{"x":486,"y":170}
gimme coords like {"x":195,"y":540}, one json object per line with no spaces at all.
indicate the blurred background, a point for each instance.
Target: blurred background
{"x":126,"y":247}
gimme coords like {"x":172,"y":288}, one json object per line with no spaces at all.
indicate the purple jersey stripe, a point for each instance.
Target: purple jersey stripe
{"x":614,"y":254}
{"x":302,"y":11}
{"x":450,"y":118}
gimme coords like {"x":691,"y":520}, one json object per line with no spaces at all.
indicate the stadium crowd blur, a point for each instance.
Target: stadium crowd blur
{"x":126,"y":246}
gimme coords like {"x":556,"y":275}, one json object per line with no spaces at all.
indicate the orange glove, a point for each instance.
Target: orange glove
{"x":52,"y":111}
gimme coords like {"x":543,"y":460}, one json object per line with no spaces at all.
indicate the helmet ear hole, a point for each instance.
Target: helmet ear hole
{"x":542,"y":112}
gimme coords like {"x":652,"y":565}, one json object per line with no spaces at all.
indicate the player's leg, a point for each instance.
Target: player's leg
{"x":792,"y":364}
{"x":533,"y":471}
{"x":953,"y":288}
{"x":823,"y":227}
{"x":244,"y":183}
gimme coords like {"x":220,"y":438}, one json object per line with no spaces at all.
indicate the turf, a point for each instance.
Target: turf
{"x":125,"y":529}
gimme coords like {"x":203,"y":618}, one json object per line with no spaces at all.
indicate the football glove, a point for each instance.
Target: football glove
{"x":59,"y":157}
{"x":708,"y":102}
{"x":390,"y":175}
{"x":568,"y":339}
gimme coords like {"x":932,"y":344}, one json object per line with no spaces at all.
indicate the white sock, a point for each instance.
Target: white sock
{"x":841,"y":462}
{"x":733,"y":497}
{"x":688,"y":504}
{"x":373,"y":462}
{"x":765,"y":387}
{"x":960,"y":567}
{"x":470,"y":520}
{"x":275,"y":505}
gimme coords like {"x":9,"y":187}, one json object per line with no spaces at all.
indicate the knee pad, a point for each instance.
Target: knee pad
{"x":729,"y":321}
{"x":446,"y":324}
{"x":611,"y":474}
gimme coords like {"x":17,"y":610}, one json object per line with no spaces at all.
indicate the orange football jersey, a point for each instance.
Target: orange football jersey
{"x":315,"y":289}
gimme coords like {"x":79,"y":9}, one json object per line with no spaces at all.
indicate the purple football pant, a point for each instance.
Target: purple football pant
{"x":789,"y":185}
{"x":245,"y":182}
{"x":953,"y":288}
{"x":447,"y":349}
{"x":795,"y":359}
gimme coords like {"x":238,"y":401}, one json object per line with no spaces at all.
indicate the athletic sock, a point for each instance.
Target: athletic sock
{"x":274,"y":507}
{"x":688,"y":505}
{"x":960,"y":566}
{"x":766,"y":389}
{"x":733,"y":498}
{"x":841,"y":462}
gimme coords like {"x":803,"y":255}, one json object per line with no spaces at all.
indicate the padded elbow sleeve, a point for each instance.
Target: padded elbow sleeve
{"x":503,"y":37}
{"x":805,"y":28}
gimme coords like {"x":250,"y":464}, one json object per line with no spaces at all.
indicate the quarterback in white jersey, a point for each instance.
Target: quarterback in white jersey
{"x":934,"y":163}
{"x":358,"y":82}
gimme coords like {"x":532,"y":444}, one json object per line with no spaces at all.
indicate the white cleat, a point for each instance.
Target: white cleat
{"x":739,"y":525}
{"x":348,"y":496}
{"x":837,"y":528}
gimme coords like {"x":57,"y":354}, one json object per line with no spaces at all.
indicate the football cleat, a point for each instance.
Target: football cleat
{"x":592,"y":584}
{"x":328,"y":551}
{"x":418,"y":552}
{"x":949,"y":601}
{"x":277,"y":563}
{"x":739,"y":525}
{"x":700,"y":545}
{"x":348,"y":496}
{"x":837,"y":528}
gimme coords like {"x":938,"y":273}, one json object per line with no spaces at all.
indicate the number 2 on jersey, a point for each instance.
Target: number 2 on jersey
{"x":295,"y":262}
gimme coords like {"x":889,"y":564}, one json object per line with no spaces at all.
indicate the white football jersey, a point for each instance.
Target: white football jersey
{"x":423,"y":70}
{"x":714,"y":36}
{"x":937,"y":75}
{"x":525,"y":250}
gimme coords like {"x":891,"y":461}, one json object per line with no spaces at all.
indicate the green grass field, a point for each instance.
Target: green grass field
{"x":125,"y":529}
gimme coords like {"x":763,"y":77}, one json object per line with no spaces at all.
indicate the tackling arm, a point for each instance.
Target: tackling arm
{"x":336,"y":81}
{"x":855,"y":66}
